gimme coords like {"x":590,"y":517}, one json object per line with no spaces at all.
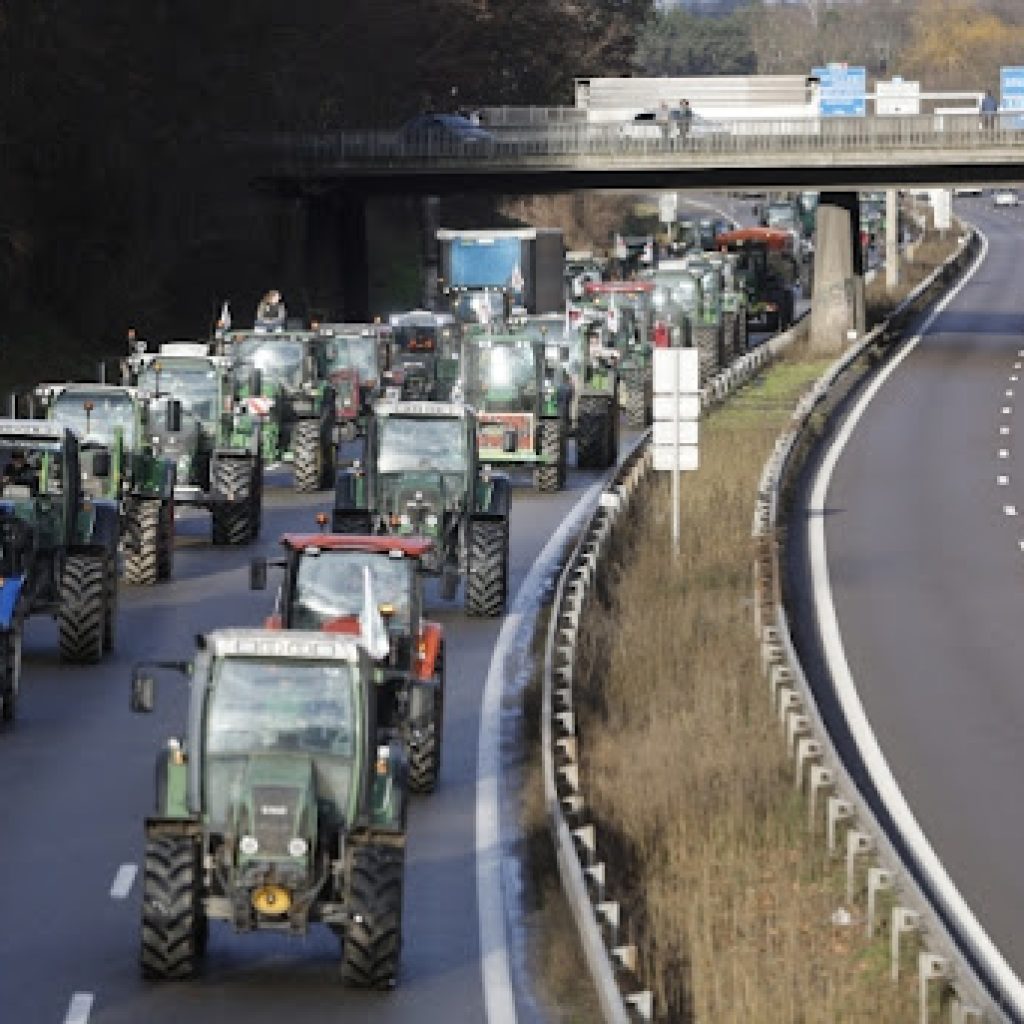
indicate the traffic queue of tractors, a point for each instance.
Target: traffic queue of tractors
{"x":284,"y":804}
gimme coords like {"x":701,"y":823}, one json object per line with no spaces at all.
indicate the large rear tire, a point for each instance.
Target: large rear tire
{"x":235,"y":521}
{"x":705,"y":340}
{"x":487,"y":578}
{"x":549,"y":476}
{"x":308,"y":456}
{"x":10,"y":667}
{"x":82,"y":609}
{"x":634,"y":402}
{"x":165,"y":544}
{"x":373,"y":939}
{"x":594,"y":432}
{"x":142,"y":551}
{"x":173,"y":924}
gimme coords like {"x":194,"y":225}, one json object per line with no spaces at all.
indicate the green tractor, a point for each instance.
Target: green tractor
{"x":284,"y":807}
{"x":629,"y":311}
{"x":355,"y":356}
{"x":422,"y":478}
{"x":330,"y":580}
{"x":198,"y":422}
{"x":709,"y":326}
{"x":686,"y":316}
{"x":522,"y":410}
{"x":734,"y":304}
{"x":597,"y":393}
{"x":284,"y":381}
{"x":58,"y":548}
{"x":113,"y":419}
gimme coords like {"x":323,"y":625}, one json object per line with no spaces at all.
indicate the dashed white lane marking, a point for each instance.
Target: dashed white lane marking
{"x":123,"y":881}
{"x":1004,"y":453}
{"x":79,"y":1009}
{"x":1007,"y":410}
{"x":1004,"y":431}
{"x":1009,"y":392}
{"x":1018,"y":366}
{"x":1010,"y":510}
{"x":1014,"y":377}
{"x":1003,"y":481}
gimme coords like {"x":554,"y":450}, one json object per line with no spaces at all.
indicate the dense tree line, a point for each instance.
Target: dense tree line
{"x":120,"y":202}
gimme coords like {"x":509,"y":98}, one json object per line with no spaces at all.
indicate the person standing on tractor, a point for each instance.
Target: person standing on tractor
{"x":19,"y":473}
{"x":271,"y":313}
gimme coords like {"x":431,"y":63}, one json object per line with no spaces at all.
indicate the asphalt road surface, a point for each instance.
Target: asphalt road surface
{"x":76,"y":780}
{"x":924,"y":527}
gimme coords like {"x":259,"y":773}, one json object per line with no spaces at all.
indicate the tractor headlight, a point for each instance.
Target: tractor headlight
{"x":248,"y":846}
{"x":297,"y":847}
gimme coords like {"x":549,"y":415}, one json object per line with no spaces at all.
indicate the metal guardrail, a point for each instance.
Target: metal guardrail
{"x":950,"y":956}
{"x":612,"y":965}
{"x":944,"y":134}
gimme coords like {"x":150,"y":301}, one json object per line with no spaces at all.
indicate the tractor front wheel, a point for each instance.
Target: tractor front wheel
{"x":308,"y":456}
{"x":236,"y":520}
{"x":173,"y":924}
{"x":81,"y":616}
{"x":373,"y":939}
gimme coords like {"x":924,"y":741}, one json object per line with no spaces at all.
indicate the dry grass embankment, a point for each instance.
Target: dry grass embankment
{"x":728,"y":893}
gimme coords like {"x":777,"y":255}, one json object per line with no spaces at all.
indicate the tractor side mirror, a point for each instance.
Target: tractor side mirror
{"x":143,"y":692}
{"x":510,"y":442}
{"x":256,"y":382}
{"x":101,"y":464}
{"x":173,"y":416}
{"x":258,"y":573}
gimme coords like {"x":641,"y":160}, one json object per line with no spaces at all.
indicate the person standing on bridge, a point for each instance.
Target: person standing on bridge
{"x":988,"y":108}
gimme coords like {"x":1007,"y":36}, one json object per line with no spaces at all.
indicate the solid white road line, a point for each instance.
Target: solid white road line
{"x":123,"y":881}
{"x":846,"y":689}
{"x":499,"y":999}
{"x":79,"y":1009}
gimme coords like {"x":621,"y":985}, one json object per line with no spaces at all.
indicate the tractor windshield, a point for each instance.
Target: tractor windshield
{"x":97,"y":415}
{"x":500,"y":373}
{"x":330,"y":585}
{"x":278,"y":359}
{"x":354,"y":352}
{"x":407,"y":444}
{"x":259,"y":708}
{"x":193,"y":382}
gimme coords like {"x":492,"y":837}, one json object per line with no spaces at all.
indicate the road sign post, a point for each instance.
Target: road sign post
{"x":676,"y":414}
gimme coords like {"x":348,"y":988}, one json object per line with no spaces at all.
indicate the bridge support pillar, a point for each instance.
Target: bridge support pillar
{"x":837,"y":301}
{"x":892,"y":240}
{"x":336,"y":257}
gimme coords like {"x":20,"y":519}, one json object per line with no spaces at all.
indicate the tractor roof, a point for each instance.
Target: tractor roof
{"x":440,"y":410}
{"x":274,"y":645}
{"x":774,"y":239}
{"x":32,"y":430}
{"x":55,"y":390}
{"x":409,"y":547}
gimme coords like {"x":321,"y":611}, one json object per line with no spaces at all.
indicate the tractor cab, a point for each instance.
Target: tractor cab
{"x":354,"y":356}
{"x":424,"y":347}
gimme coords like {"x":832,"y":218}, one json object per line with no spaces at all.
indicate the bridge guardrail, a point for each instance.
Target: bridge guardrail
{"x":555,"y":139}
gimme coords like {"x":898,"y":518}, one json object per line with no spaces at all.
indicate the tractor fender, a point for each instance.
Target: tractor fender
{"x":428,"y":646}
{"x":422,"y":701}
{"x":171,"y":777}
{"x":346,"y":491}
{"x":494,"y":497}
{"x":388,"y":799}
{"x":10,"y":592}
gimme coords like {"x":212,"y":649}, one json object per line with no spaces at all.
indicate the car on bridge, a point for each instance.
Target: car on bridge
{"x":444,"y":131}
{"x":1006,"y":197}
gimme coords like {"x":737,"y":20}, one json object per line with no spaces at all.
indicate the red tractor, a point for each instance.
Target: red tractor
{"x":364,"y":586}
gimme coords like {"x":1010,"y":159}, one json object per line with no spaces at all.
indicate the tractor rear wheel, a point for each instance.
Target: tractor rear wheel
{"x":10,"y":667}
{"x":142,"y":557}
{"x":82,"y":609}
{"x":235,"y":521}
{"x":593,"y":432}
{"x":173,"y":924}
{"x":110,"y":602}
{"x":705,"y":340}
{"x":373,"y":939}
{"x":165,"y":542}
{"x":487,"y":579}
{"x":308,"y":456}
{"x":550,"y":475}
{"x":635,"y":403}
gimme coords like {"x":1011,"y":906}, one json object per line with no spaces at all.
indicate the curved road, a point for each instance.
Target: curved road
{"x":924,"y":529}
{"x":76,"y":780}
